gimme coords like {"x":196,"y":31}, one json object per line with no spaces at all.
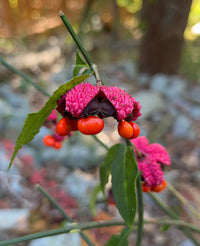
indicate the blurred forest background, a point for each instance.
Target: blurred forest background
{"x":150,"y":48}
{"x":124,"y":21}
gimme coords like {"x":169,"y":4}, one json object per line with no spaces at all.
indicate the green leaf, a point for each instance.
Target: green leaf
{"x":124,"y":173}
{"x":34,"y":121}
{"x":93,"y":198}
{"x":114,"y":154}
{"x":121,"y":239}
{"x":79,"y":60}
{"x":80,"y":64}
{"x":165,"y":227}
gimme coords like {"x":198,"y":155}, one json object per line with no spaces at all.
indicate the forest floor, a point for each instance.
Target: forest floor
{"x":170,"y":116}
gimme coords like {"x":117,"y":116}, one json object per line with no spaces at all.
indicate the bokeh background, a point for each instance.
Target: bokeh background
{"x":150,"y":48}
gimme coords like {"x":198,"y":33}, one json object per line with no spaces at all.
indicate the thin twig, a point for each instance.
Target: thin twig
{"x":65,"y":215}
{"x":96,"y":224}
{"x":183,"y":200}
{"x":174,"y":216}
{"x":99,"y":141}
{"x":24,"y":76}
{"x":139,"y":201}
{"x":140,"y":211}
{"x":76,"y":39}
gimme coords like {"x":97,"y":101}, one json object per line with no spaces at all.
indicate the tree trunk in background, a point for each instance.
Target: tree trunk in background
{"x":164,"y":22}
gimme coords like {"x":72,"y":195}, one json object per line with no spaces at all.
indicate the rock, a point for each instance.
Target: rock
{"x":129,"y":68}
{"x":72,"y":239}
{"x":80,"y":185}
{"x":143,"y":79}
{"x":171,"y":86}
{"x":89,"y":152}
{"x":5,"y":109}
{"x":176,"y":88}
{"x":63,"y":76}
{"x":150,"y":101}
{"x":159,"y":82}
{"x":187,"y":242}
{"x":195,"y":112}
{"x":193,"y":95}
{"x":12,"y":218}
{"x":183,"y":127}
{"x":31,"y":59}
{"x":4,"y":163}
{"x":13,"y":111}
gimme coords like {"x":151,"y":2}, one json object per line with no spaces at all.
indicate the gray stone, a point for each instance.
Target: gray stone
{"x":130,"y":69}
{"x":13,"y":111}
{"x":5,"y":90}
{"x":4,"y":163}
{"x":80,"y":185}
{"x":183,"y":127}
{"x":77,"y":152}
{"x":11,"y":217}
{"x":159,"y":83}
{"x":195,"y":111}
{"x":72,"y":239}
{"x":63,"y":76}
{"x":193,"y":94}
{"x":5,"y":109}
{"x":143,"y":79}
{"x":187,"y":242}
{"x":171,"y":86}
{"x":150,"y":101}
{"x":176,"y":88}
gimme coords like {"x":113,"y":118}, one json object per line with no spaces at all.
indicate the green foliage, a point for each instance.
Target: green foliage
{"x":120,"y":162}
{"x":121,"y":239}
{"x":194,"y":16}
{"x":80,"y":65}
{"x":114,"y":154}
{"x":130,"y":5}
{"x":93,"y":198}
{"x":190,"y":60}
{"x":34,"y":121}
{"x":124,"y":174}
{"x":165,"y":227}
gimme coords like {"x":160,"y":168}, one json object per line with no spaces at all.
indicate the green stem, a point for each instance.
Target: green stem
{"x":23,"y":76}
{"x":173,"y":215}
{"x":65,"y":215}
{"x":56,"y":205}
{"x":67,"y":229}
{"x":99,"y":141}
{"x":137,"y":150}
{"x":183,"y":200}
{"x":139,"y":200}
{"x":173,"y":222}
{"x":96,"y":224}
{"x":140,"y":211}
{"x":76,"y":39}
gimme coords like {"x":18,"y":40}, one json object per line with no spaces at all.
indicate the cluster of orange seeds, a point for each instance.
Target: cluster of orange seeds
{"x":92,"y":125}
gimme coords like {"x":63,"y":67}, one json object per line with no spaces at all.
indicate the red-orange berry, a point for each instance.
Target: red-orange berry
{"x":136,"y":130}
{"x":73,"y":124}
{"x":125,"y":129}
{"x":48,"y":140}
{"x":160,"y":187}
{"x":63,"y":127}
{"x":90,"y":125}
{"x":146,"y":188}
{"x":57,"y":145}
